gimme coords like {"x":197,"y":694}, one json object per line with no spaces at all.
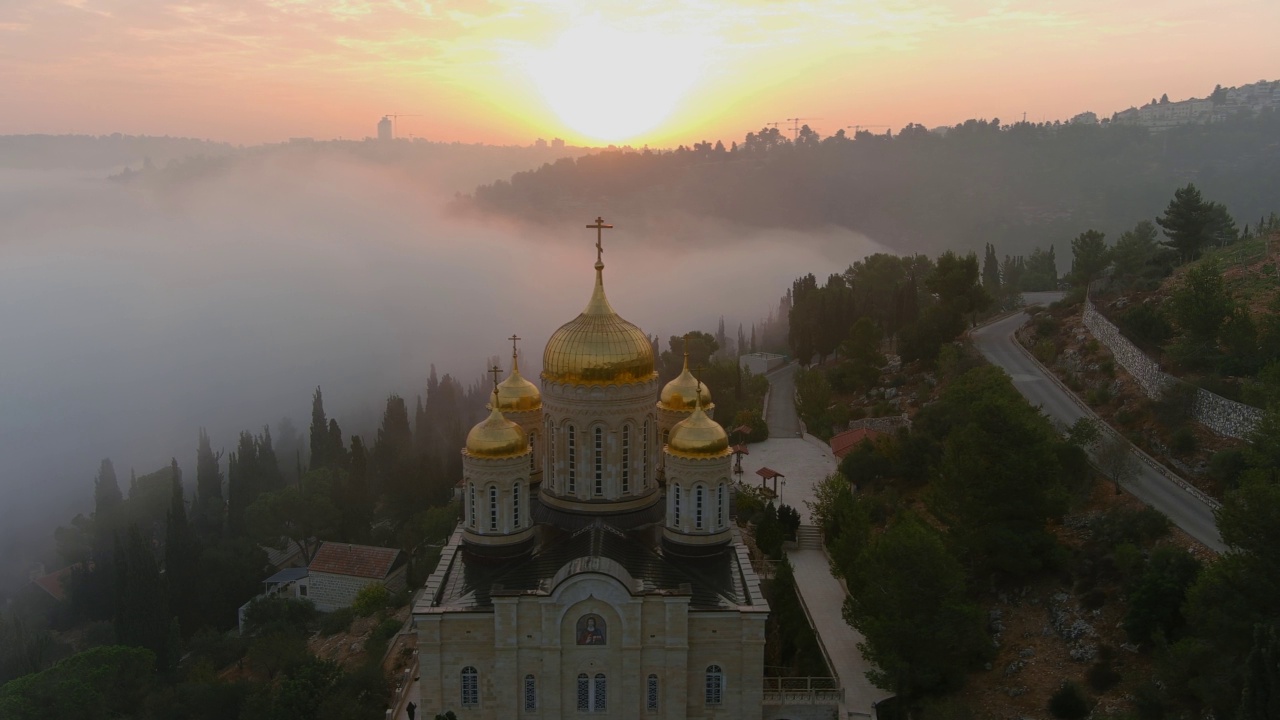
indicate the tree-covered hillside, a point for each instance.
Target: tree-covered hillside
{"x":1018,"y":186}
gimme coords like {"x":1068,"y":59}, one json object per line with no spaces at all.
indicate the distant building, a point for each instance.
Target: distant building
{"x":340,"y":570}
{"x":557,"y":143}
{"x":540,"y":143}
{"x":1085,"y":118}
{"x":386,"y":131}
{"x":1225,"y":102}
{"x":762,"y":362}
{"x":843,"y":443}
{"x":290,"y":582}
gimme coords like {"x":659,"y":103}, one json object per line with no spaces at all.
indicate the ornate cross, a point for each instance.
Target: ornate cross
{"x":495,"y":371}
{"x":514,"y":339}
{"x":600,"y":226}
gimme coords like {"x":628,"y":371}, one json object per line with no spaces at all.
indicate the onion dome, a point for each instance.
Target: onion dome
{"x":685,"y":391}
{"x":698,"y":436}
{"x":497,"y":437}
{"x":516,"y":394}
{"x":598,"y":347}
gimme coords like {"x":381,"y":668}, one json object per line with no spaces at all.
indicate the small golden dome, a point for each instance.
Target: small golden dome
{"x":685,"y":391}
{"x":516,"y":394}
{"x":497,"y":437}
{"x":698,"y":436}
{"x":598,"y":347}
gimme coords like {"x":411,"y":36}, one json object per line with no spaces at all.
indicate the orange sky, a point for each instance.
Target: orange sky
{"x":640,"y":71}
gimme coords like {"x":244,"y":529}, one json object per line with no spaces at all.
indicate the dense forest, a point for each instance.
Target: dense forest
{"x":1018,"y":185}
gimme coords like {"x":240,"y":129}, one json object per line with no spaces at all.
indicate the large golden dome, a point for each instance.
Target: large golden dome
{"x":698,"y":436}
{"x":685,"y":391}
{"x":497,"y":437}
{"x":598,"y":347}
{"x":516,"y":394}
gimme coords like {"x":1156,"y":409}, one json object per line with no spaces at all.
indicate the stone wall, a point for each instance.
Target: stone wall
{"x":800,"y":712}
{"x":1224,"y":417}
{"x":888,"y":424}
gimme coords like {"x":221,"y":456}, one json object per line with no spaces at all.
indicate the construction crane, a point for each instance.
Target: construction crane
{"x":394,"y":118}
{"x":795,"y":126}
{"x":858,"y":128}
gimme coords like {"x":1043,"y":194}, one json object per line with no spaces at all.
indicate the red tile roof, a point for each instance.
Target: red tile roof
{"x":354,"y":560}
{"x":52,"y":583}
{"x":846,"y":441}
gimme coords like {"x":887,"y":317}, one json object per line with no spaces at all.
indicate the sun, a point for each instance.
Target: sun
{"x":611,"y":84}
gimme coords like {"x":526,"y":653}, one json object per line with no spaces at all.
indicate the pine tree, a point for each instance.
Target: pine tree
{"x":106,"y":490}
{"x":181,"y":558}
{"x":1089,"y":256}
{"x":319,"y":432}
{"x":1186,"y":222}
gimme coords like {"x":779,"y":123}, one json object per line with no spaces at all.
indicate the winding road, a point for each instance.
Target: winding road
{"x":996,"y":342}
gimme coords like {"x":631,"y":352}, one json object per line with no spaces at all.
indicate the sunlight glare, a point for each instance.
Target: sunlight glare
{"x":610,"y":84}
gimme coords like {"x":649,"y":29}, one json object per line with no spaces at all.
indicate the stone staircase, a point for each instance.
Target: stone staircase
{"x":808,"y":537}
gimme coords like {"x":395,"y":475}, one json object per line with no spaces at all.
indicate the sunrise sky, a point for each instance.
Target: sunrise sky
{"x":639,"y":72}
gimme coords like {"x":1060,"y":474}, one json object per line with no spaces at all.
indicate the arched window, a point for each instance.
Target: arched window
{"x":675,"y":515}
{"x":515,"y":506}
{"x":651,"y":694}
{"x":470,"y":687}
{"x":533,"y":451}
{"x":626,"y":458}
{"x":599,"y":694}
{"x":720,"y":507}
{"x":551,"y":455}
{"x":644,"y":457}
{"x":666,"y":435}
{"x":697,"y":506}
{"x":530,"y":693}
{"x":572,"y":449}
{"x":493,"y":508}
{"x":471,"y":504}
{"x":584,"y":692}
{"x":599,"y":461}
{"x":715,"y":685}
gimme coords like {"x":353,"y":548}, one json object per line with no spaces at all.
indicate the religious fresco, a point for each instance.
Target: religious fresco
{"x":591,"y":630}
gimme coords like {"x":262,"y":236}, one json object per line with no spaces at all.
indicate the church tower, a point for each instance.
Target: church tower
{"x":598,"y":384}
{"x":697,"y":461}
{"x":497,"y":517}
{"x":520,"y":402}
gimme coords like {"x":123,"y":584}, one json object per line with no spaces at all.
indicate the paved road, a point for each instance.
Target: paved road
{"x":807,"y":461}
{"x":996,"y":343}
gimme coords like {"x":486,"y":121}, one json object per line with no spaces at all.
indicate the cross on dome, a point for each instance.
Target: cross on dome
{"x":600,"y":226}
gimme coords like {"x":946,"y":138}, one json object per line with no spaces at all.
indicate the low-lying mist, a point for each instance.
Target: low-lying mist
{"x":135,"y":313}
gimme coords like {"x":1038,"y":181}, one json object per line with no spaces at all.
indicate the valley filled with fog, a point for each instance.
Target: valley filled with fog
{"x":219,"y":295}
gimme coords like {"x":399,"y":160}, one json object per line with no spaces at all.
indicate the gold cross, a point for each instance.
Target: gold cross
{"x":514,"y":339}
{"x":495,"y":370}
{"x":600,"y":227}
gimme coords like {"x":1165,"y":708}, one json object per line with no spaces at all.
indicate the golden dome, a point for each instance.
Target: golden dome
{"x":685,"y":391}
{"x":698,"y":436}
{"x":497,"y":437}
{"x":516,"y":394}
{"x":598,"y":347}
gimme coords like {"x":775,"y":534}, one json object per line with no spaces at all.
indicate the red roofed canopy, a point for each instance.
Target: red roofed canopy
{"x":363,"y":561}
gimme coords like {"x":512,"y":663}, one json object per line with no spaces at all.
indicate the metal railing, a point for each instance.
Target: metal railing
{"x":803,"y":691}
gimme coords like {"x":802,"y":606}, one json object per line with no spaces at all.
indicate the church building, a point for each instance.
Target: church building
{"x":596,"y":571}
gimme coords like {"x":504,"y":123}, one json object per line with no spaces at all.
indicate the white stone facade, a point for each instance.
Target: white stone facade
{"x":331,"y":592}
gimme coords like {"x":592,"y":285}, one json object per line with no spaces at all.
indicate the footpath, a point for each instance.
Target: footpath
{"x":806,"y":461}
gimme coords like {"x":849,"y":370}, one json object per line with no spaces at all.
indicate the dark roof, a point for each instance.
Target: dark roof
{"x":52,"y":583}
{"x":355,"y":560}
{"x":842,"y":443}
{"x":769,"y":473}
{"x":713,"y":582}
{"x":287,"y":575}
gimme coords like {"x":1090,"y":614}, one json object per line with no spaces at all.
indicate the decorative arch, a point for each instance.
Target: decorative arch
{"x":714,"y":685}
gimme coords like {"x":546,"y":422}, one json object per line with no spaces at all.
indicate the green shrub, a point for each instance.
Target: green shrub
{"x":1146,"y":325}
{"x":749,"y":505}
{"x":789,"y":519}
{"x":1183,"y":441}
{"x":1102,"y":677}
{"x":337,"y":621}
{"x":276,"y":613}
{"x":387,"y":629}
{"x":1069,"y":702}
{"x":1226,"y":467}
{"x":371,"y":598}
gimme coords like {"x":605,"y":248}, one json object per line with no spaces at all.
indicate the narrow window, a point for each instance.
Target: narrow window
{"x":666,"y":435}
{"x":584,"y":692}
{"x":599,"y":461}
{"x":530,"y":693}
{"x":697,"y":507}
{"x":533,"y":452}
{"x":470,"y":687}
{"x":644,"y":457}
{"x":626,"y":459}
{"x":715,"y":685}
{"x":471,"y":504}
{"x":651,"y":694}
{"x":676,"y":515}
{"x":493,"y":508}
{"x":551,"y":455}
{"x":515,"y":506}
{"x":720,"y":507}
{"x":573,"y":461}
{"x":599,"y":696}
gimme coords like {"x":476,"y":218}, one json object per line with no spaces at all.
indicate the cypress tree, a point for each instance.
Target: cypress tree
{"x":1261,"y":697}
{"x":268,"y":464}
{"x":141,"y":605}
{"x":319,"y":432}
{"x":181,"y":558}
{"x":209,"y":504}
{"x":991,"y":271}
{"x":106,"y":490}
